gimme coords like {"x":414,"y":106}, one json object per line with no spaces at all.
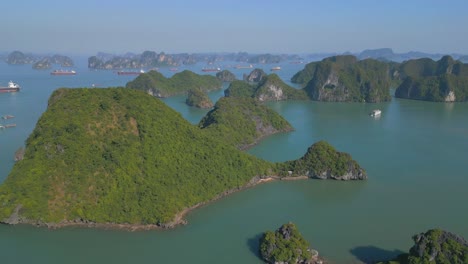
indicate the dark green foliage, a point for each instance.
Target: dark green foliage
{"x":305,"y":75}
{"x":284,"y":245}
{"x":242,"y":122}
{"x":156,"y":84}
{"x":198,"y":98}
{"x":240,"y":89}
{"x":120,"y":156}
{"x":226,"y":76}
{"x":345,"y":79}
{"x":270,"y":88}
{"x":323,"y":159}
{"x":435,"y":247}
{"x":267,"y":88}
{"x":425,"y":79}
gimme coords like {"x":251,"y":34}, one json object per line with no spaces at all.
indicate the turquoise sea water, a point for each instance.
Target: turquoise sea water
{"x":416,"y":156}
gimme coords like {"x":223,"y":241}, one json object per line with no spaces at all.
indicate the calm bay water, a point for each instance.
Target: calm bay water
{"x":415,"y":155}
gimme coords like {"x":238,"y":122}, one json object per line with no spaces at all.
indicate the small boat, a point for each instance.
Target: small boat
{"x":8,"y":116}
{"x":62,"y":72}
{"x":375,"y":112}
{"x":10,"y":125}
{"x":174,"y":69}
{"x":12,"y":87}
{"x":277,"y":68}
{"x":130,"y":72}
{"x":211,"y":69}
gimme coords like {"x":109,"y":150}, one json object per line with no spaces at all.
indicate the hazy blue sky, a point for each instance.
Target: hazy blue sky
{"x":289,"y":26}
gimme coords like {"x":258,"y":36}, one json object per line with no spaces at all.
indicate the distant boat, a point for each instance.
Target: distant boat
{"x":8,"y":116}
{"x":375,"y":112}
{"x":296,"y":62}
{"x":12,"y":87}
{"x":243,"y":67}
{"x":62,"y":72}
{"x":173,"y":69}
{"x":130,"y":72}
{"x":277,"y":68}
{"x":211,"y":69}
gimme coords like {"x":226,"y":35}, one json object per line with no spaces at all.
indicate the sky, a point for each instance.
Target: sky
{"x":254,"y":26}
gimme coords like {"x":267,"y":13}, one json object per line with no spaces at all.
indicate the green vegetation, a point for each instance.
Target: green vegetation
{"x":305,"y":75}
{"x":198,"y":98}
{"x":285,"y":245}
{"x":345,"y":79}
{"x":323,"y":161}
{"x":121,"y":156}
{"x":226,"y":76}
{"x":124,"y":158}
{"x":242,"y":122}
{"x":270,"y":88}
{"x":435,"y":247}
{"x":156,"y":84}
{"x":425,"y":79}
{"x":240,"y":89}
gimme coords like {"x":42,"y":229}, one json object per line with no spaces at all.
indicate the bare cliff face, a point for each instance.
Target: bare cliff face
{"x":330,"y":90}
{"x":272,"y":93}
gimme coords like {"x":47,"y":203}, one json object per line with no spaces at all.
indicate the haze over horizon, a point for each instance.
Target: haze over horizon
{"x":88,"y":27}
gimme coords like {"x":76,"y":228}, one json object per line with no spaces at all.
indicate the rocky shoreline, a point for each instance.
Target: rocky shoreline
{"x":177,"y":221}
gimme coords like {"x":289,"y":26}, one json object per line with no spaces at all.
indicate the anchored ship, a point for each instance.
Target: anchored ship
{"x":12,"y":87}
{"x":211,"y":69}
{"x":62,"y":72}
{"x":277,"y":68}
{"x":130,"y":72}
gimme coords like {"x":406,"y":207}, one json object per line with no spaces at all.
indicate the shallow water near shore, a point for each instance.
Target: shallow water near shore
{"x":415,"y":155}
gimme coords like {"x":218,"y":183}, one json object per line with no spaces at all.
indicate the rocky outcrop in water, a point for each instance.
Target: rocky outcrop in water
{"x":198,"y":98}
{"x":18,"y":57}
{"x":322,"y":161}
{"x":439,"y":246}
{"x":287,"y":246}
{"x":43,"y":64}
{"x":435,"y":246}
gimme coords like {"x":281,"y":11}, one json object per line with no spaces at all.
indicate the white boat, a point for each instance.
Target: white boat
{"x":375,"y":112}
{"x":277,"y":68}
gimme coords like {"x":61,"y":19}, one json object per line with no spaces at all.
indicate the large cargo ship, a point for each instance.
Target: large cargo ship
{"x":211,"y":69}
{"x":62,"y":72}
{"x":130,"y":72}
{"x":243,"y":67}
{"x":12,"y":87}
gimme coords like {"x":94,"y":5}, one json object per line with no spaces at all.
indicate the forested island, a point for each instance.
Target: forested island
{"x":346,"y":79}
{"x":287,"y":245}
{"x":158,"y":85}
{"x":124,"y":160}
{"x":263,"y":88}
{"x":39,"y":62}
{"x":242,"y":122}
{"x":445,"y":80}
{"x":150,"y":59}
{"x":198,"y":98}
{"x":434,"y":246}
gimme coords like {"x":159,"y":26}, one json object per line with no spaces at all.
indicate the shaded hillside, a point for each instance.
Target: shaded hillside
{"x":445,"y":80}
{"x":345,"y":79}
{"x":157,"y":85}
{"x":269,"y":88}
{"x":198,"y":98}
{"x":243,"y":121}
